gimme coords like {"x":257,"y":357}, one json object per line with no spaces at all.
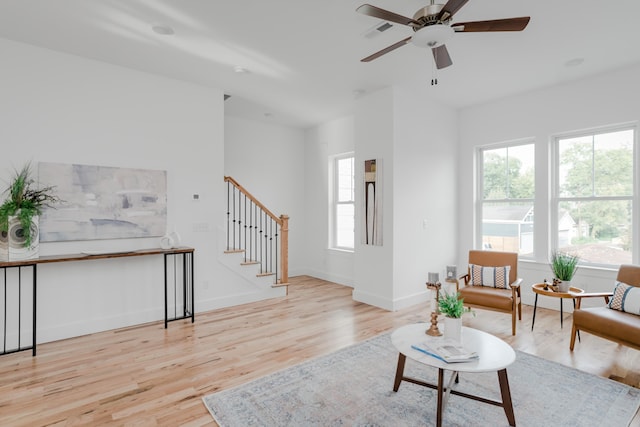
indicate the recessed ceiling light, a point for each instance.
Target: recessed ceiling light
{"x":240,"y":69}
{"x":574,"y":62}
{"x":162,"y":29}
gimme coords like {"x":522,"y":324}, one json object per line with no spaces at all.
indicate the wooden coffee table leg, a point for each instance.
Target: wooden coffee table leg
{"x":399,"y":371}
{"x":440,"y":397}
{"x":506,"y":396}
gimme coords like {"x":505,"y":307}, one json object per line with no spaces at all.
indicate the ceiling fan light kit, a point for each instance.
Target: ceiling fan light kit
{"x":432,"y":36}
{"x":433,"y":28}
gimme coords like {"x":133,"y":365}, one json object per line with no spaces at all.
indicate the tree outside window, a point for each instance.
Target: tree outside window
{"x":507,"y":196}
{"x":595,"y":196}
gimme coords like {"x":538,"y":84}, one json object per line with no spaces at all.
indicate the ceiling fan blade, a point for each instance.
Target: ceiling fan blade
{"x":441,"y":56}
{"x":510,"y":24}
{"x":376,"y":12}
{"x":450,"y":9}
{"x":386,"y":50}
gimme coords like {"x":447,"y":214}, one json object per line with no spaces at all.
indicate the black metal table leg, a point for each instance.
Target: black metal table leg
{"x":166,"y":321}
{"x":574,"y":308}
{"x":35,"y":281}
{"x":193,"y":307}
{"x":535,"y":307}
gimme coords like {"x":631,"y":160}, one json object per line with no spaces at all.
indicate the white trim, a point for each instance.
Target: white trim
{"x":479,"y":195}
{"x":333,"y":202}
{"x":555,"y":199}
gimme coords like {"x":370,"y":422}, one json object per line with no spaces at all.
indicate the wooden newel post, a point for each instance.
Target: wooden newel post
{"x":284,"y":248}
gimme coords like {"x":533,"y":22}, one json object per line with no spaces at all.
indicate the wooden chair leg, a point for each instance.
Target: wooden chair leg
{"x":520,"y":310}
{"x":574,"y":330}
{"x":513,"y":322}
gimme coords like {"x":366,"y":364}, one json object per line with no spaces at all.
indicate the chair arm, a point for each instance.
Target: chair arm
{"x":517,"y":283}
{"x":466,"y":279}
{"x":515,"y":288}
{"x":579,"y":296}
{"x":591,"y":294}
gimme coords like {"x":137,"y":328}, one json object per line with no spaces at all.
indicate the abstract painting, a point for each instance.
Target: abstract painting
{"x":101,"y":202}
{"x":372,"y":234}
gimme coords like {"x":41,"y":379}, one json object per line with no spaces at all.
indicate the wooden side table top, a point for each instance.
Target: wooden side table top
{"x":538,"y":288}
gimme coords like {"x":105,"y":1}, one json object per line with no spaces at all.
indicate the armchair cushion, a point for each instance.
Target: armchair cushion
{"x":625,"y":298}
{"x":496,"y":277}
{"x":610,"y":324}
{"x":484,"y":296}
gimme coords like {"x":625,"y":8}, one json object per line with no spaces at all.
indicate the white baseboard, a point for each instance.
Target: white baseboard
{"x":233,"y":300}
{"x":340,"y":280}
{"x":81,"y":327}
{"x":372,"y":299}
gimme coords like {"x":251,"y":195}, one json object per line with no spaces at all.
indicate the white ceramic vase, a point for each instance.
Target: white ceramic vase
{"x":453,"y":328}
{"x":12,"y":244}
{"x":564,"y":285}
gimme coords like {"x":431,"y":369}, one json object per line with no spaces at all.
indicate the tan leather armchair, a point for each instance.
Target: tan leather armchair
{"x":503,"y":300}
{"x":614,"y":325}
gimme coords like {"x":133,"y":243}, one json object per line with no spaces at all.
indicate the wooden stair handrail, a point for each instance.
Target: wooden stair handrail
{"x":253,"y":199}
{"x":282,"y":221}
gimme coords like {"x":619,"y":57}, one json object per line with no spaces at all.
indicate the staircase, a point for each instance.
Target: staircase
{"x":257,"y":238}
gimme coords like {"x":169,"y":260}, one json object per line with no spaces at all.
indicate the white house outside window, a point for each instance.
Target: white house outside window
{"x":506,"y":195}
{"x":594,"y":190}
{"x":343,"y":206}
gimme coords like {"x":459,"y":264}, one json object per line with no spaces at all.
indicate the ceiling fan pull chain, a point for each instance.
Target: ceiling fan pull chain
{"x":434,"y":74}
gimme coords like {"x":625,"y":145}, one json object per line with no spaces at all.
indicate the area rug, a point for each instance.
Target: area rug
{"x":353,"y":387}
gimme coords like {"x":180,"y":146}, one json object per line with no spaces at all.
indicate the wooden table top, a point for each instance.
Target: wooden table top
{"x":538,"y":288}
{"x":87,"y":256}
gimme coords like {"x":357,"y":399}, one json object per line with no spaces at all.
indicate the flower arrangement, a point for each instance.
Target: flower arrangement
{"x":25,"y":201}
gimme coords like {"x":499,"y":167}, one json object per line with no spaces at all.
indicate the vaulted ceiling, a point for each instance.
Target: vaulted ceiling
{"x":302,"y":58}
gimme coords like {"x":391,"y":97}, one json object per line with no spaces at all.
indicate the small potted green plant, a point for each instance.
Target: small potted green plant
{"x":564,"y":266}
{"x":452,"y":306}
{"x":24,"y":202}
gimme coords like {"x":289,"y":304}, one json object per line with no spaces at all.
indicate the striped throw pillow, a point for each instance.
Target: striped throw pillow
{"x":496,"y":277}
{"x":625,"y":298}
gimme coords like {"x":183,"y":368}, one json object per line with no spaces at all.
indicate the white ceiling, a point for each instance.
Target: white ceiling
{"x":304,"y":56}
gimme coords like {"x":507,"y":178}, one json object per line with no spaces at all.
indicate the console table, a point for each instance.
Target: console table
{"x":186,"y":284}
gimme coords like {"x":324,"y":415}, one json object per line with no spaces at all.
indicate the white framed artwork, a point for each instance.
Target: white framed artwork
{"x":102,"y":202}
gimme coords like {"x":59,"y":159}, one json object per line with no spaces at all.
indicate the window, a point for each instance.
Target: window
{"x":506,"y":195}
{"x":594,"y":190}
{"x":343,"y":206}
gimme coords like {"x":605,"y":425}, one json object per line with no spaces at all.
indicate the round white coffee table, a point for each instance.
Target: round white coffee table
{"x":493,"y":355}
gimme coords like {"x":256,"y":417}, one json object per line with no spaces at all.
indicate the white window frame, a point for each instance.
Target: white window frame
{"x":480,"y":192}
{"x":334,"y":202}
{"x":555,"y":189}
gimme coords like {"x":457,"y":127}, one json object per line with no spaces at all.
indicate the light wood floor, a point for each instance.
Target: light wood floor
{"x":146,"y":375}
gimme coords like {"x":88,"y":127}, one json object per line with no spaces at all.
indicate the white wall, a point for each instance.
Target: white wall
{"x":329,"y":139}
{"x":425,"y":182}
{"x":416,"y":141}
{"x":374,"y":134}
{"x":61,"y":108}
{"x":269,"y":161}
{"x":603,"y":100}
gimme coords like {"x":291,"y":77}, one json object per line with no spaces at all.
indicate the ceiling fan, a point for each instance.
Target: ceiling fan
{"x":432,"y":27}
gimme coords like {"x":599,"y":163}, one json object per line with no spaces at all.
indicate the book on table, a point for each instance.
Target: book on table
{"x":446,"y":350}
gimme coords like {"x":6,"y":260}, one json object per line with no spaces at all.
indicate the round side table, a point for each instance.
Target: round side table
{"x":539,"y":289}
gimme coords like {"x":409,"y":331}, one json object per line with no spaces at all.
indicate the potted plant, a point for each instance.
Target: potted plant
{"x":452,"y":306}
{"x":564,"y":266}
{"x":21,"y":209}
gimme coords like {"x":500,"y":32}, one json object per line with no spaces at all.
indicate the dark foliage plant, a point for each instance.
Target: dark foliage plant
{"x":25,"y":201}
